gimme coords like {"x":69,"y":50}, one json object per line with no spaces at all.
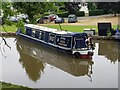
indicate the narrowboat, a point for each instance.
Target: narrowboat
{"x":72,"y":43}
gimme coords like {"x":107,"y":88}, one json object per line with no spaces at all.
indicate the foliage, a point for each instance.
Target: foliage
{"x":33,"y":8}
{"x":80,"y":13}
{"x":95,"y":13}
{"x":6,"y":7}
{"x":65,"y":14}
{"x":8,"y":22}
{"x":72,"y":7}
{"x":0,"y":8}
{"x":103,"y":8}
{"x":20,"y":24}
{"x":109,"y":7}
{"x":9,"y":86}
{"x":91,"y":6}
{"x":61,"y":7}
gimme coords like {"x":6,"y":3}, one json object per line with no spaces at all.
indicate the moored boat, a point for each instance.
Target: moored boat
{"x":74,"y":43}
{"x":117,"y":35}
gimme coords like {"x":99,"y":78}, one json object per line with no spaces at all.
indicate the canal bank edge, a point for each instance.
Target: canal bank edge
{"x":7,"y":34}
{"x":5,"y":86}
{"x":94,"y":37}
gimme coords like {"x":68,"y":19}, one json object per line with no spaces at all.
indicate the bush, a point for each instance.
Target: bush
{"x":20,"y":24}
{"x":64,"y":15}
{"x":8,"y":22}
{"x":106,"y":12}
{"x":80,"y":13}
{"x":94,"y":13}
{"x":37,"y":16}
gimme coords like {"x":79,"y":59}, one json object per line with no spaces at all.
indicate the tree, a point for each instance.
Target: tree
{"x":72,"y":7}
{"x":7,"y":11}
{"x":109,"y":7}
{"x":33,"y":8}
{"x":6,"y":8}
{"x":91,"y":6}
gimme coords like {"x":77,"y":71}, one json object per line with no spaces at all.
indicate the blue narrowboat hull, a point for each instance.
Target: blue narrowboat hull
{"x":44,"y":44}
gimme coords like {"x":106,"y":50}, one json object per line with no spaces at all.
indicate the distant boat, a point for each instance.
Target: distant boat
{"x":117,"y":35}
{"x":72,"y":43}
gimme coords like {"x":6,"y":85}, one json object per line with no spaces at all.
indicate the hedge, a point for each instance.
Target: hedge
{"x":94,"y":13}
{"x":78,"y":14}
{"x":63,"y":14}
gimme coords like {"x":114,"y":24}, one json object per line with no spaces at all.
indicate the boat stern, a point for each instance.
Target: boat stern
{"x":86,"y":53}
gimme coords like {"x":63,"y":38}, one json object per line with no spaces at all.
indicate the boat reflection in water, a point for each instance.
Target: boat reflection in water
{"x":111,"y":51}
{"x":35,"y":57}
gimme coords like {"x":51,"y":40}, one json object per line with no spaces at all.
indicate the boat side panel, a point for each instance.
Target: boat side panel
{"x":45,"y":44}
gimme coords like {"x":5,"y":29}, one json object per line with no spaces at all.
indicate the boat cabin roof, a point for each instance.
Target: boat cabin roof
{"x":56,"y":31}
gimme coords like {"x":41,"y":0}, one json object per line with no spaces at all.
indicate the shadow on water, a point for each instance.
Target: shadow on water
{"x":34,"y":58}
{"x":109,"y":49}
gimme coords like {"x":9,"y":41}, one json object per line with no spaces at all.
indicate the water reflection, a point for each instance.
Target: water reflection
{"x":35,"y":66}
{"x":34,"y":57}
{"x":110,"y":50}
{"x":32,"y":65}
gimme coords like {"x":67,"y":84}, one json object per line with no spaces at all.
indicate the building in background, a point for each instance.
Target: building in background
{"x":84,"y":8}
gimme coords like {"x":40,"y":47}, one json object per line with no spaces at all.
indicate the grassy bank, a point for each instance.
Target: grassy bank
{"x":73,"y":28}
{"x":7,"y":28}
{"x":9,"y":86}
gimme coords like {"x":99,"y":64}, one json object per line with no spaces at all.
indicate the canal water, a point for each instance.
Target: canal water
{"x":32,"y":65}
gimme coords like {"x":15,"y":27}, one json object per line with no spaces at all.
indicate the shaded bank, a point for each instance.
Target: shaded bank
{"x":109,"y":49}
{"x":9,"y":86}
{"x":4,"y":34}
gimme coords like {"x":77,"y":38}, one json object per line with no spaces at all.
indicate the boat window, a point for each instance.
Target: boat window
{"x":58,"y":39}
{"x":28,"y":31}
{"x":46,"y":37}
{"x":79,"y":42}
{"x":33,"y":33}
{"x":51,"y":38}
{"x":40,"y":33}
